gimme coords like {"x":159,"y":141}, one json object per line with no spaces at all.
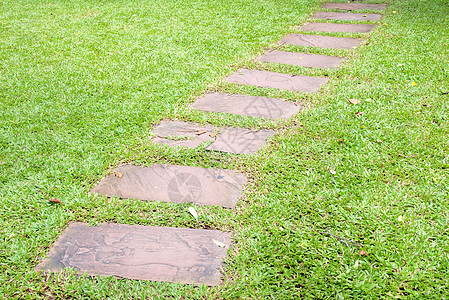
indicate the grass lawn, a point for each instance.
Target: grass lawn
{"x":83,"y":82}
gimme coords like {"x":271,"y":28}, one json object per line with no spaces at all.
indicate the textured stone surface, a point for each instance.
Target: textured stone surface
{"x":334,"y":27}
{"x":301,"y":59}
{"x":140,"y":252}
{"x":345,"y":16}
{"x":186,"y":134}
{"x":170,"y":183}
{"x":268,"y":79}
{"x":354,"y":6}
{"x":319,"y":41}
{"x":240,"y":140}
{"x":259,"y":107}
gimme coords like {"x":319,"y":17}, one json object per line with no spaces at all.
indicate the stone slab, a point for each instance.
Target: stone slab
{"x":171,"y":183}
{"x":275,"y":80}
{"x":301,"y":59}
{"x":319,"y":41}
{"x":252,"y":106}
{"x":140,"y":252}
{"x":334,"y":27}
{"x":240,"y":140}
{"x":355,"y":6}
{"x":345,"y":16}
{"x":177,"y":133}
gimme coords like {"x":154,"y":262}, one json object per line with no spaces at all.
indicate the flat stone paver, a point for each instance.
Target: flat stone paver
{"x":334,"y":27}
{"x":345,"y":16}
{"x":355,"y":6}
{"x":240,"y":140}
{"x":140,"y":252}
{"x":301,"y":59}
{"x":177,"y":133}
{"x":319,"y":41}
{"x":297,"y":83}
{"x":171,"y":183}
{"x":252,"y":106}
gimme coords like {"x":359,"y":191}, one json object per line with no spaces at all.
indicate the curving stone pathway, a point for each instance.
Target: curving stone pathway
{"x":195,"y":256}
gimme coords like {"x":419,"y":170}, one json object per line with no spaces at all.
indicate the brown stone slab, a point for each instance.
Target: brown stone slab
{"x":259,"y":107}
{"x":170,"y":183}
{"x":301,"y":59}
{"x":140,"y":252}
{"x":240,"y":140}
{"x":177,"y":133}
{"x":355,"y":6}
{"x":334,"y":27}
{"x":345,"y":16}
{"x":275,"y":80}
{"x":319,"y":41}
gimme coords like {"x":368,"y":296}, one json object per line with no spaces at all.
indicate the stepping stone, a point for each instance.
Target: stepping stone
{"x":259,"y":107}
{"x":354,"y":6}
{"x":334,"y":27}
{"x":345,"y":16}
{"x":320,"y":41}
{"x":140,"y":252}
{"x":275,"y":80}
{"x":176,"y":133}
{"x":240,"y":140}
{"x":301,"y":59}
{"x":170,"y":183}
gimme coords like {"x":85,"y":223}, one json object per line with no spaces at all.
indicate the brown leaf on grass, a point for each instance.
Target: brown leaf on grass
{"x":54,"y":200}
{"x":118,"y":174}
{"x":363,"y":253}
{"x":212,"y":135}
{"x":359,"y":113}
{"x":354,"y":101}
{"x":200,"y":132}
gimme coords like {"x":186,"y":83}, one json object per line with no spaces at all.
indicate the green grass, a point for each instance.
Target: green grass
{"x":81,"y":85}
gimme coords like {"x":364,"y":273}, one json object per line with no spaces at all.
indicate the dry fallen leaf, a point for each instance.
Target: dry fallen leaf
{"x":218,"y":243}
{"x":212,"y":135}
{"x":193,"y":213}
{"x":354,"y":101}
{"x":54,"y":200}
{"x":359,"y":113}
{"x":200,"y":132}
{"x":118,"y":174}
{"x":363,"y":253}
{"x":365,"y":16}
{"x":414,"y":155}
